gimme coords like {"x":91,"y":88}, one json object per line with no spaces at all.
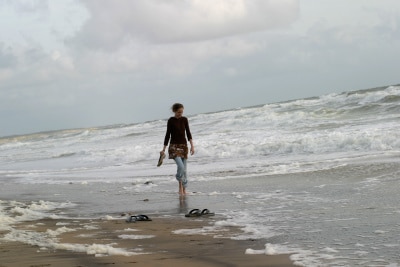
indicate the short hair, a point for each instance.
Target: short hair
{"x":176,"y":107}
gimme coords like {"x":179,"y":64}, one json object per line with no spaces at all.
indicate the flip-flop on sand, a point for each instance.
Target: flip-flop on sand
{"x":160,"y":160}
{"x":198,"y":213}
{"x":138,"y":218}
{"x":193,"y":213}
{"x":206,"y":212}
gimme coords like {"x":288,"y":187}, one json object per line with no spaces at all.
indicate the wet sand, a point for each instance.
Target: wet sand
{"x":151,"y":243}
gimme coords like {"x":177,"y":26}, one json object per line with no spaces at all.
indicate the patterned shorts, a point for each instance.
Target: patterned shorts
{"x":178,"y":150}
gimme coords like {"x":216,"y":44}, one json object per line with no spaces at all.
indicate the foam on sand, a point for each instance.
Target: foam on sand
{"x":111,"y":242}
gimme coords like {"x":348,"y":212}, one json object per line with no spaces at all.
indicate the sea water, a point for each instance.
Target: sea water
{"x":317,"y":178}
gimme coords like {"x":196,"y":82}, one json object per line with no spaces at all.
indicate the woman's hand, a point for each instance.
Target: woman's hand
{"x":191,"y":150}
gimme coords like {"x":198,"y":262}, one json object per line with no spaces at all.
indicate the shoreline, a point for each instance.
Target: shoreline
{"x":164,"y":241}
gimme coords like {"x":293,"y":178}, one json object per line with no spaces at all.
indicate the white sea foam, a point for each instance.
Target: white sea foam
{"x":12,"y":212}
{"x":135,"y":237}
{"x":250,"y":251}
{"x":319,"y":126}
{"x":318,"y":177}
{"x":59,"y":231}
{"x":48,"y":240}
{"x":195,"y":231}
{"x":130,"y":230}
{"x":269,"y":250}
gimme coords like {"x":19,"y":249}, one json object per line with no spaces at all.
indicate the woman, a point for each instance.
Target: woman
{"x":177,"y":127}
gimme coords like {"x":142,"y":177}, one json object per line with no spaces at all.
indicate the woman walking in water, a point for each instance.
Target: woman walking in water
{"x":177,"y":128}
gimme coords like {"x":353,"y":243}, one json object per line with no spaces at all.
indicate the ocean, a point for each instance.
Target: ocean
{"x":318,"y":178}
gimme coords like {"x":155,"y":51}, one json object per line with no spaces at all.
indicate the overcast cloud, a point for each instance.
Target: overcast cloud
{"x":69,"y":63}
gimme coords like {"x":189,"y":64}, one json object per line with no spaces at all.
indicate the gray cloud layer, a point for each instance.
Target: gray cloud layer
{"x":74,"y":64}
{"x":180,"y":21}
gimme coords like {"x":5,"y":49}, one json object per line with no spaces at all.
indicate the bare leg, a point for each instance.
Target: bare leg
{"x":181,"y":189}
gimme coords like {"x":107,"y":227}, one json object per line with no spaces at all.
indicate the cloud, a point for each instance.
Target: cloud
{"x":172,"y":37}
{"x":94,"y":62}
{"x":7,"y":59}
{"x":32,"y":64}
{"x":26,"y":6}
{"x":113,"y":23}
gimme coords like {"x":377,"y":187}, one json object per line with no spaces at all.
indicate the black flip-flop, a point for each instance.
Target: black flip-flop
{"x":138,"y":218}
{"x":193,"y":213}
{"x":206,"y":212}
{"x":160,"y":160}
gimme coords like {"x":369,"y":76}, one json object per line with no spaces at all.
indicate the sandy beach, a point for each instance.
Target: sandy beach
{"x":313,"y":178}
{"x":164,"y":241}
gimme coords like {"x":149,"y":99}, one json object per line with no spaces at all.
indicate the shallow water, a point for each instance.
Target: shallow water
{"x":327,"y":218}
{"x":318,"y":178}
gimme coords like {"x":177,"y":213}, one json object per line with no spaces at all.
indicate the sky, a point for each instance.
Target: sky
{"x":75,"y":64}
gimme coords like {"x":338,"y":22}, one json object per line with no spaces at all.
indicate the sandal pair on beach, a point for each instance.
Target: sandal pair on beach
{"x":138,"y":218}
{"x":198,"y":213}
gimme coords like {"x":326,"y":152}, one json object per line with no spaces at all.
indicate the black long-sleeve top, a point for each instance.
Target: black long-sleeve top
{"x":176,"y":128}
